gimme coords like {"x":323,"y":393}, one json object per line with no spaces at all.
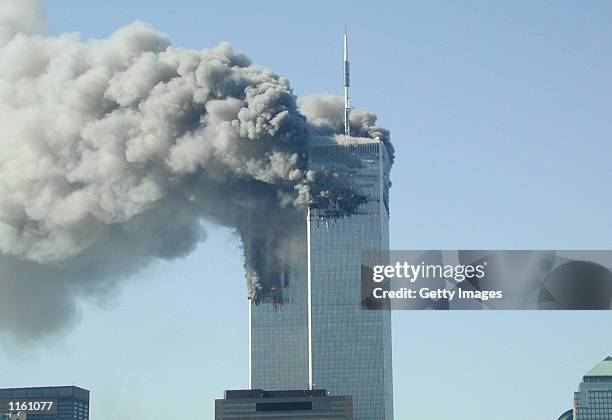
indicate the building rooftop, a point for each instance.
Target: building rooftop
{"x":340,"y":140}
{"x":43,"y":387}
{"x":604,"y":368}
{"x":260,"y":393}
{"x":68,"y":391}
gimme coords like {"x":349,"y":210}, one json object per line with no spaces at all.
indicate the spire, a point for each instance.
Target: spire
{"x":347,"y":83}
{"x":345,"y":45}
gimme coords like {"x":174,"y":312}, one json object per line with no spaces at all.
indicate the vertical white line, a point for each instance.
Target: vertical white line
{"x":250,"y":344}
{"x":381,"y":191}
{"x":309,"y":300}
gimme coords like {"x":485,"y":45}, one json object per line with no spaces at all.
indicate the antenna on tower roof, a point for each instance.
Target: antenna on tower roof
{"x":347,"y":84}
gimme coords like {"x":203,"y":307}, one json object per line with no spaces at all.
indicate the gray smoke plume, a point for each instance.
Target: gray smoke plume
{"x":112,"y":152}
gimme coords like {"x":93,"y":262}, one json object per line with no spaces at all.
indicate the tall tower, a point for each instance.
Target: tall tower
{"x":321,"y":337}
{"x":350,"y":347}
{"x":594,"y":397}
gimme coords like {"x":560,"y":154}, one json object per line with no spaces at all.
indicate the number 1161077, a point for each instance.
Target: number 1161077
{"x":30,"y":405}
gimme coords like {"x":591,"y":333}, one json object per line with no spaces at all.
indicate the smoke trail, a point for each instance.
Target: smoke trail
{"x":113,"y":151}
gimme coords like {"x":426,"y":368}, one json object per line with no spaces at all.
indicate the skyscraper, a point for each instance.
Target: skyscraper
{"x":351,"y":347}
{"x":47,"y":403}
{"x":593,"y":401}
{"x":321,"y":336}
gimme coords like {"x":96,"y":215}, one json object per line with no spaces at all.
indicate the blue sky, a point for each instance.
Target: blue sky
{"x":501,"y":116}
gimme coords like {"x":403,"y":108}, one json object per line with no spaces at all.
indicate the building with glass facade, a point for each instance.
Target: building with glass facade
{"x":285,"y":405}
{"x":321,"y":336}
{"x":593,"y":401}
{"x":278,"y":335}
{"x":47,"y":403}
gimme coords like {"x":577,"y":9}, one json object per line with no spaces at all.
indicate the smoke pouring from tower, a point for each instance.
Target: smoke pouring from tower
{"x":112,"y":151}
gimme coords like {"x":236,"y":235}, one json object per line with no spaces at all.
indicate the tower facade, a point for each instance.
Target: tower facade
{"x":278,"y":335}
{"x":594,"y":397}
{"x":47,"y":403}
{"x":320,"y":337}
{"x":350,"y":346}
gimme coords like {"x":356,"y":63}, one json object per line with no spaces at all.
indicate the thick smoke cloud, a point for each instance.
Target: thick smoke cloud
{"x":112,"y":151}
